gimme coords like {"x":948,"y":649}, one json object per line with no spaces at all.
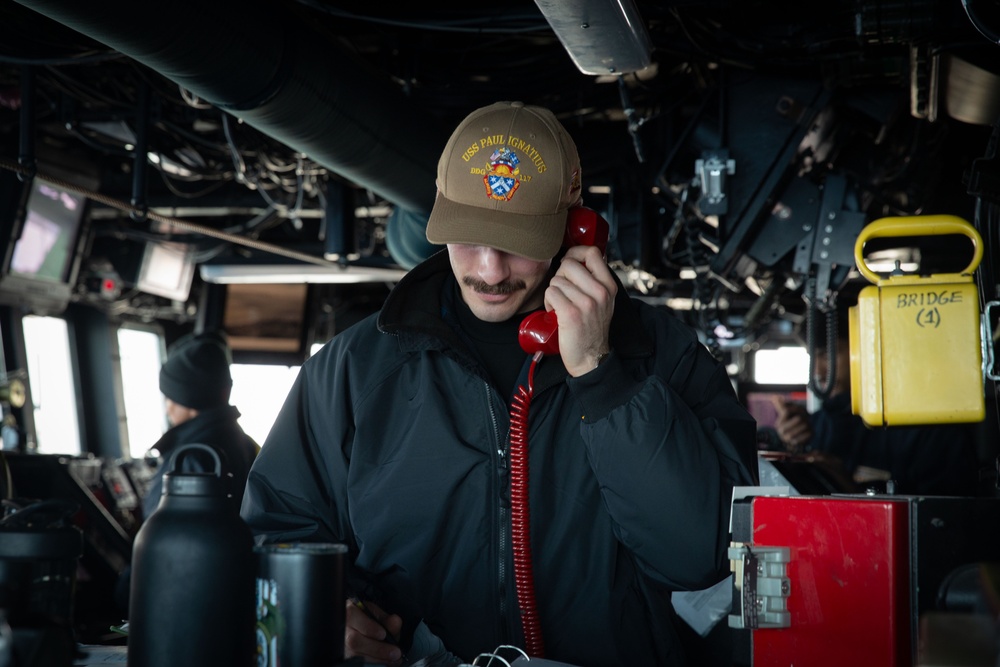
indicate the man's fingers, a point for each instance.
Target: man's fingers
{"x":794,"y":432}
{"x":368,"y":638}
{"x":373,"y":651}
{"x":587,"y":262}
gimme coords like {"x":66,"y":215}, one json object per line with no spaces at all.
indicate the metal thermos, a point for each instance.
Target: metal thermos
{"x":192,"y":588}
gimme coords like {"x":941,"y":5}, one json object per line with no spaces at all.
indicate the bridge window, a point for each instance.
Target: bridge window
{"x":52,"y":387}
{"x":784,"y":365}
{"x":145,"y":410}
{"x":259,"y":390}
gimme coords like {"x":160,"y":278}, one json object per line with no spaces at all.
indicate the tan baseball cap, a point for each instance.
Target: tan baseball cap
{"x":506,"y":179}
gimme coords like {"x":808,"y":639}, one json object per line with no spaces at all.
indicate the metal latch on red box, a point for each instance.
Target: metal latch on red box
{"x":762,"y":585}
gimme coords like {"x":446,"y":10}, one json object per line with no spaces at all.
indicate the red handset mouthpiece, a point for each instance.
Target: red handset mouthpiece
{"x":585,"y":226}
{"x":539,"y":332}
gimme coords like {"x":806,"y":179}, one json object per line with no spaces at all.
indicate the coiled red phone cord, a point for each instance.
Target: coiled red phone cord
{"x":520,"y":515}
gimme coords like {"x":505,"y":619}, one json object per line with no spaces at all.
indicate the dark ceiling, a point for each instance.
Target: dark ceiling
{"x":315,"y":125}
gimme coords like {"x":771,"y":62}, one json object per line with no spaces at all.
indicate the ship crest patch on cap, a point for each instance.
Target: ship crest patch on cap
{"x":501,"y":178}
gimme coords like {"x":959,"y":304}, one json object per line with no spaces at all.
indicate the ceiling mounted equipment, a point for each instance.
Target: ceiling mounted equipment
{"x":601,"y":36}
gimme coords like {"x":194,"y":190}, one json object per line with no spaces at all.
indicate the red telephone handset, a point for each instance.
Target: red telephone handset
{"x":539,"y":330}
{"x":538,"y":335}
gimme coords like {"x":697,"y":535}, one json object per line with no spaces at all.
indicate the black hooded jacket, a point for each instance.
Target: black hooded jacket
{"x":394,"y":441}
{"x":216,"y":427}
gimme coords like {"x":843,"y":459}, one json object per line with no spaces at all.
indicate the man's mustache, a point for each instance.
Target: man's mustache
{"x":506,"y":287}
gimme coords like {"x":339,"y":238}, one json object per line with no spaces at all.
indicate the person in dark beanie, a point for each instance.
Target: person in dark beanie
{"x":196,"y":383}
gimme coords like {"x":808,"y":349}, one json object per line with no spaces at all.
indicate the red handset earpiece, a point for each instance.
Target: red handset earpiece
{"x":585,"y":226}
{"x":539,"y":331}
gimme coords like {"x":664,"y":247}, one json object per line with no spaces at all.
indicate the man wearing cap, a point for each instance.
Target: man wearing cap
{"x":196,"y":383}
{"x":396,"y":437}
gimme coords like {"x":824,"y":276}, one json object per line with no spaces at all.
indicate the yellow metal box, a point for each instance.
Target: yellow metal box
{"x":916,"y":350}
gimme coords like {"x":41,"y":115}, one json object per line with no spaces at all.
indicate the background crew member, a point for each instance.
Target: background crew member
{"x":936,"y":459}
{"x":196,"y":382}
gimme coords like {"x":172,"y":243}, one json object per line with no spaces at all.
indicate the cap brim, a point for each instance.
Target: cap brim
{"x":536,"y":237}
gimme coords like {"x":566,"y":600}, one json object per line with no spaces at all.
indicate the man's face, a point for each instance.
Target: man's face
{"x":177,"y":413}
{"x":497,"y":285}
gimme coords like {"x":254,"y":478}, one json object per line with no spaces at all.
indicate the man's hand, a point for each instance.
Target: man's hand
{"x":582,"y":294}
{"x":792,"y":424}
{"x":372,"y":638}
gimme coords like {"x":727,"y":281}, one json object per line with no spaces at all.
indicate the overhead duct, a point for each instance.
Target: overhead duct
{"x":601,"y":36}
{"x":972,"y":92}
{"x":290,"y":83}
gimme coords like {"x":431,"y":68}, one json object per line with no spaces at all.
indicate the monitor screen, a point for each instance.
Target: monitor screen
{"x":46,"y":246}
{"x":166,"y":271}
{"x":266,"y":321}
{"x":42,"y":252}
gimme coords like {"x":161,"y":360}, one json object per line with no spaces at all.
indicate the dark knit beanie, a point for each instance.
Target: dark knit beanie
{"x":196,"y":374}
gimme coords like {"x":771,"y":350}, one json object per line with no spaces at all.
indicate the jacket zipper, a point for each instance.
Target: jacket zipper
{"x":504,"y":521}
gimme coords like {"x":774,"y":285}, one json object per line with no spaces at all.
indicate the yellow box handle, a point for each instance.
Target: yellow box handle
{"x":917,"y":225}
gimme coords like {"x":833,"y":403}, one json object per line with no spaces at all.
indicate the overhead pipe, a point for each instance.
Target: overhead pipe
{"x":284,"y":79}
{"x":602,"y":37}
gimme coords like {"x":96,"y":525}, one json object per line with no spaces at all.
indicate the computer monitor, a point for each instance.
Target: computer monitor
{"x":166,"y":270}
{"x":41,"y":258}
{"x":267,"y":322}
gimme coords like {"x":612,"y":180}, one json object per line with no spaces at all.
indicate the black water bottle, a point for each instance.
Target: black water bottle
{"x":192,"y":589}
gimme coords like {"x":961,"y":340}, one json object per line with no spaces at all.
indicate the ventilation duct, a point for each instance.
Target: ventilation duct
{"x":972,"y":92}
{"x":601,"y":36}
{"x":290,"y":83}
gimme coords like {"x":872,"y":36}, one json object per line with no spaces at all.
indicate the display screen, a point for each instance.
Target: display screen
{"x":166,"y":271}
{"x":265,"y":317}
{"x":48,"y":237}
